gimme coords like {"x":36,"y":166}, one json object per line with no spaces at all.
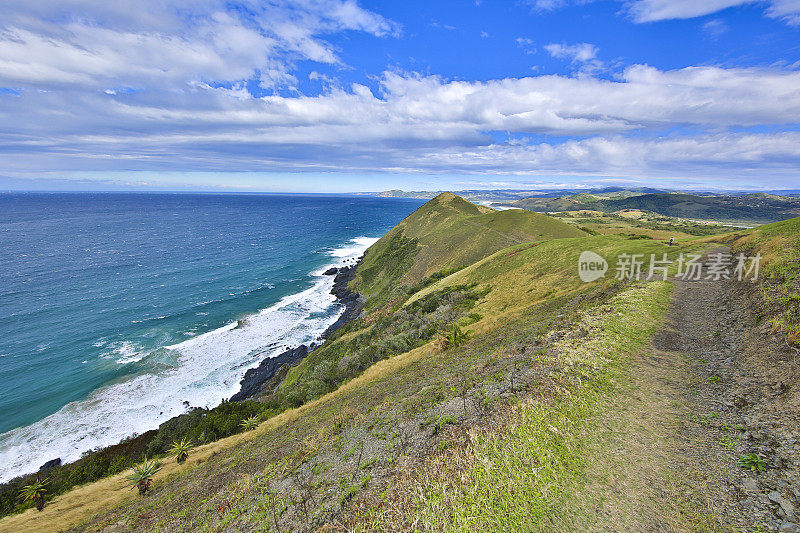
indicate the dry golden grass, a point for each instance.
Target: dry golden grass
{"x":87,"y":501}
{"x":517,"y":284}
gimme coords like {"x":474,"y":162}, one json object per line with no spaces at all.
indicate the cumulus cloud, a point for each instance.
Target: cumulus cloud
{"x":90,"y":43}
{"x":165,"y":86}
{"x":423,"y":124}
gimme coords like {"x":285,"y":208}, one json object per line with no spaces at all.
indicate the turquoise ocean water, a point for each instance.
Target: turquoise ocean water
{"x":115,"y":309}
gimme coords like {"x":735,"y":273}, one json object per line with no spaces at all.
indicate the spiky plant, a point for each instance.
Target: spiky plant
{"x":35,"y":493}
{"x":250,"y":423}
{"x":142,"y":475}
{"x":450,"y":339}
{"x":181,"y":450}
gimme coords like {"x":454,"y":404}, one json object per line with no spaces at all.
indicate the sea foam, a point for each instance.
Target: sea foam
{"x":202,"y":371}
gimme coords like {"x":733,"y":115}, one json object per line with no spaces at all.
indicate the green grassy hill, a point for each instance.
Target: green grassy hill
{"x":447,"y":233}
{"x":391,"y":426}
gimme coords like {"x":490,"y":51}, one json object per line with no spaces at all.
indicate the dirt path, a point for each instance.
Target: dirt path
{"x":714,"y":386}
{"x":743,"y":399}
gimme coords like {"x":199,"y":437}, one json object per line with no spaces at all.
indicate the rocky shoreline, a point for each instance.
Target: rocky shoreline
{"x":256,"y":378}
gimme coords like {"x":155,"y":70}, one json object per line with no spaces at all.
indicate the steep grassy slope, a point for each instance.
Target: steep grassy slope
{"x":393,"y":426}
{"x":447,"y":233}
{"x":303,"y":467}
{"x":440,"y":225}
{"x":444,"y":233}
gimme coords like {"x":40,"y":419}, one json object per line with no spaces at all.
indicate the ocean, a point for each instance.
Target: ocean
{"x":119,"y":311}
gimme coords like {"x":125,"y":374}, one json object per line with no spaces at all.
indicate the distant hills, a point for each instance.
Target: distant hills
{"x":729,"y":207}
{"x":504,"y":195}
{"x":747,"y":208}
{"x":501,"y":195}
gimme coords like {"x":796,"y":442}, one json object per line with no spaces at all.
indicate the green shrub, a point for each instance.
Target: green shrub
{"x":753,"y":462}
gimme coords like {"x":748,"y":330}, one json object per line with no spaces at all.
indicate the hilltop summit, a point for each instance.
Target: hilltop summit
{"x":448,"y":232}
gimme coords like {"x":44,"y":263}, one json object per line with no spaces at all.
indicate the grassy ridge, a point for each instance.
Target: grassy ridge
{"x":447,"y":232}
{"x":519,"y":475}
{"x":519,"y":276}
{"x":779,"y":243}
{"x":381,"y":391}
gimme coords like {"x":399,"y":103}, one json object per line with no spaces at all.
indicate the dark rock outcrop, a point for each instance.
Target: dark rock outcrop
{"x":50,"y":464}
{"x":352,"y":301}
{"x":255,"y":379}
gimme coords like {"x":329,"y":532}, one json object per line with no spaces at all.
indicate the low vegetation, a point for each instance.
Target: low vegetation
{"x":464,"y":398}
{"x":367,"y":341}
{"x":34,"y":493}
{"x":180,"y":450}
{"x":141,"y":475}
{"x":753,"y":462}
{"x":199,"y":426}
{"x":249,"y":424}
{"x":453,"y":338}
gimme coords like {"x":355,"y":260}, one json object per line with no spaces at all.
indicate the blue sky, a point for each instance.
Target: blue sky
{"x":337,"y":95}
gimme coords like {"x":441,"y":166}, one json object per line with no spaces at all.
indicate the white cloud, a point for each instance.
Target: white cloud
{"x":106,"y":86}
{"x":527,"y":45}
{"x":715,"y":28}
{"x":788,"y":10}
{"x":655,"y":10}
{"x":102,"y":44}
{"x":696,"y":156}
{"x":552,"y":5}
{"x":424,"y":124}
{"x":582,"y":56}
{"x":580,"y":53}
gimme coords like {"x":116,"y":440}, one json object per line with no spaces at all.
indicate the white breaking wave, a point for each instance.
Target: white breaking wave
{"x":202,"y":370}
{"x":355,"y":249}
{"x":127,"y":352}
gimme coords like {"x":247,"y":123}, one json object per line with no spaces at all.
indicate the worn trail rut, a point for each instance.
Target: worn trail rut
{"x":715,"y":385}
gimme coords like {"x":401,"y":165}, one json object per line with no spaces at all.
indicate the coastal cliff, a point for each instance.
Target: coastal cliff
{"x":256,"y":379}
{"x":501,"y":394}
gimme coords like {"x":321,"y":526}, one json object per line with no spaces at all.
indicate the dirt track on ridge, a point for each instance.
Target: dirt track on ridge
{"x":714,"y":385}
